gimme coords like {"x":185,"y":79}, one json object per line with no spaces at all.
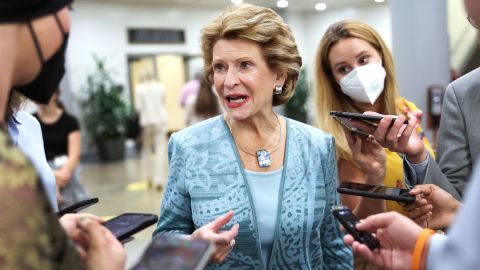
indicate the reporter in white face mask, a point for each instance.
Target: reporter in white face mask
{"x":355,"y":73}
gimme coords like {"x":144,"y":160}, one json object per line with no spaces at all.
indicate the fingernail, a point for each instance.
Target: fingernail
{"x":83,"y":219}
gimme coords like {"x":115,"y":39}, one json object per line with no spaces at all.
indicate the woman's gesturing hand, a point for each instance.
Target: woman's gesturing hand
{"x":224,"y":240}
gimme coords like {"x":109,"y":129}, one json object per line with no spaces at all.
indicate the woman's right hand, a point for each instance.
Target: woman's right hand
{"x":397,"y":235}
{"x":224,"y":240}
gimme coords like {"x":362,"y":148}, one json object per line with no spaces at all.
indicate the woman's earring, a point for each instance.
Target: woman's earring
{"x":278,"y":90}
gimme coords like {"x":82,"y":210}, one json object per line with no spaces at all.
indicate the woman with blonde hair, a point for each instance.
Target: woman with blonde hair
{"x":256,"y":184}
{"x":355,"y":73}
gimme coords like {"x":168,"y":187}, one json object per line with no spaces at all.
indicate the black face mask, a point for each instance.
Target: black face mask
{"x":44,"y":85}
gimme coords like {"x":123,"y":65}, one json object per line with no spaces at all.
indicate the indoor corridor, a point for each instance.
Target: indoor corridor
{"x":119,"y":191}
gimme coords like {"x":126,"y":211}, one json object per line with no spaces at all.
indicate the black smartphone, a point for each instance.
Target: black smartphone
{"x":351,"y":128}
{"x":126,"y":225}
{"x":362,"y":117}
{"x":74,"y":208}
{"x":175,"y":252}
{"x":348,"y":221}
{"x":375,"y":191}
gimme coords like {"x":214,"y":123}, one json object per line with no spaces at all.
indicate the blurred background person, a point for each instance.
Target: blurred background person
{"x":188,"y":95}
{"x":206,"y":104}
{"x":150,"y":105}
{"x":355,"y":73}
{"x":62,"y":142}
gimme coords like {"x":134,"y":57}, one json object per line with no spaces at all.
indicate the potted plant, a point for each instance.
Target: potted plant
{"x":105,"y":113}
{"x":296,"y":107}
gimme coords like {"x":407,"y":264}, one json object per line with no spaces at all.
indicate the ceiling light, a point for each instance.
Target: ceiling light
{"x":282,"y":3}
{"x":320,"y":6}
{"x":379,"y":1}
{"x":237,"y":2}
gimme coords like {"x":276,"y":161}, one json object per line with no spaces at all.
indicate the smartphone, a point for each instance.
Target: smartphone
{"x":348,"y":221}
{"x":126,"y":225}
{"x":377,"y":192}
{"x":351,"y":128}
{"x":175,"y":252}
{"x":76,"y":207}
{"x":362,"y":117}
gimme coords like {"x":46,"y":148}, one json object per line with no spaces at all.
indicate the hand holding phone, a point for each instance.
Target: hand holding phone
{"x":126,"y":225}
{"x":348,"y":221}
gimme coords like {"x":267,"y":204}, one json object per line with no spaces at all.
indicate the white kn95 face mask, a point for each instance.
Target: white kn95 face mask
{"x":364,"y":83}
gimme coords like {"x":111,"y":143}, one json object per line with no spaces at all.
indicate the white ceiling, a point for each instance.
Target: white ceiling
{"x":302,"y":5}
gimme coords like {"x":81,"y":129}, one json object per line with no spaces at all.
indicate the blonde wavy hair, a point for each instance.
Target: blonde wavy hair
{"x":328,"y":95}
{"x":263,"y":26}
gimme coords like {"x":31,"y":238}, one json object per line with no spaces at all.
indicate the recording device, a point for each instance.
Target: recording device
{"x":351,"y":128}
{"x":175,"y":252}
{"x":362,"y":117}
{"x":376,"y":191}
{"x":126,"y":225}
{"x":348,"y":221}
{"x":76,"y":207}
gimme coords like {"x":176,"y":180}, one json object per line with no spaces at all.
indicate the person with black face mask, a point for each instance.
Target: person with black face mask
{"x":34,"y":36}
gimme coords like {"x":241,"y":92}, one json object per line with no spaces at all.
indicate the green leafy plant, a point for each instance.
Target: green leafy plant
{"x":296,"y":107}
{"x":105,"y":111}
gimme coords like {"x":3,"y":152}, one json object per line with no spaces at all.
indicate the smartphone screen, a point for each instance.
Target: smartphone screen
{"x":174,"y":252}
{"x":127,"y":224}
{"x":376,"y":191}
{"x":348,"y":221}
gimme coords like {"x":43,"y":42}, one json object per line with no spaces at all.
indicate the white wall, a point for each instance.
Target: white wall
{"x":421,"y":56}
{"x":101,"y":28}
{"x":316,"y":23}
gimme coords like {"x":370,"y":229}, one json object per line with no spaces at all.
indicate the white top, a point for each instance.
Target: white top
{"x":150,"y":103}
{"x":26,"y":133}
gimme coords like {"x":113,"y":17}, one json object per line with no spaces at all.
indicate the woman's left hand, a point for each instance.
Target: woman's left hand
{"x":370,"y":156}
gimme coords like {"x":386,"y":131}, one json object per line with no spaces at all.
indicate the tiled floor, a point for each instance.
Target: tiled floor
{"x":117,"y":186}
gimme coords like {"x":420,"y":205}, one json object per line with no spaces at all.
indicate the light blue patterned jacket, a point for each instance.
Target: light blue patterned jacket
{"x":206,"y":180}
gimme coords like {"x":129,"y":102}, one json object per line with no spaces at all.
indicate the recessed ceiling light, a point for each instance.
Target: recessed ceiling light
{"x":237,"y":2}
{"x":320,"y":6}
{"x":379,"y":1}
{"x":282,"y":3}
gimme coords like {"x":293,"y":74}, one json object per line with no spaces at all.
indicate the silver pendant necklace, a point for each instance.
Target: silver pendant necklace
{"x":263,"y":155}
